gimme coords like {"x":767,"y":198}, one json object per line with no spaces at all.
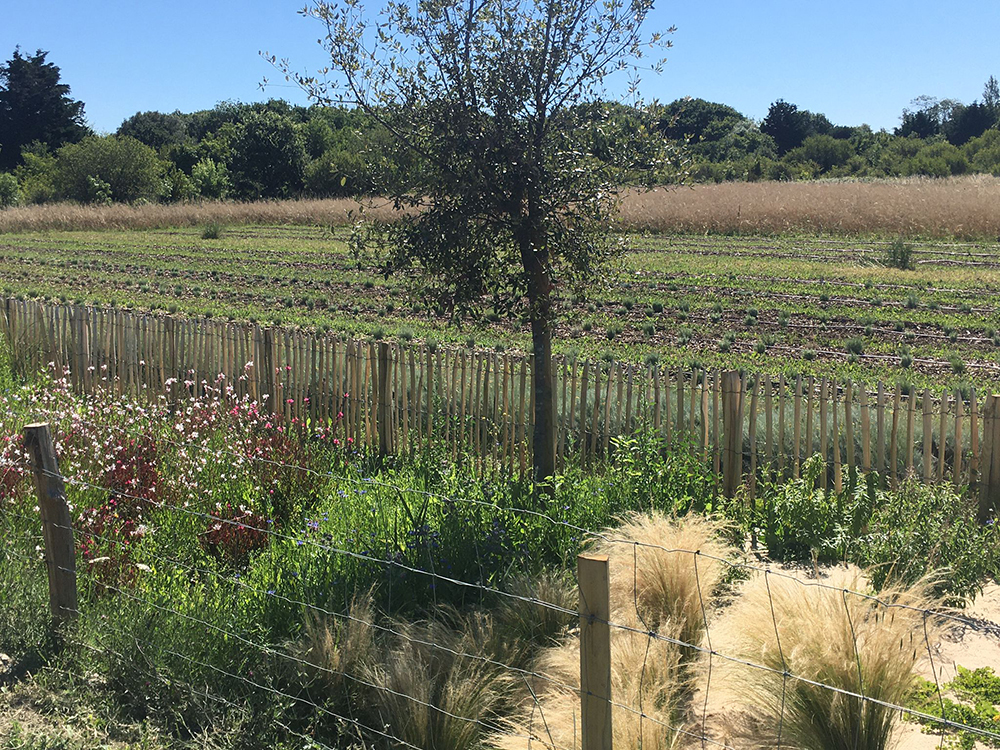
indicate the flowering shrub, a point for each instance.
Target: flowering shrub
{"x":132,"y":467}
{"x":235,"y":534}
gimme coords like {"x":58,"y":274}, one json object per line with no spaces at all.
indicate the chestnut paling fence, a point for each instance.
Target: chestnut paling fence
{"x":395,"y":396}
{"x":611,"y":700}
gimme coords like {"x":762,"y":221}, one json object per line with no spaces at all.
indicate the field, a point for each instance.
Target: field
{"x":810,"y":304}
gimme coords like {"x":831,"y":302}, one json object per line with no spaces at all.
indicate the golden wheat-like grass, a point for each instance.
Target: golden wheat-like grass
{"x":658,"y":580}
{"x":827,"y":635}
{"x":965,"y":207}
{"x":651,"y":588}
{"x":72,"y":216}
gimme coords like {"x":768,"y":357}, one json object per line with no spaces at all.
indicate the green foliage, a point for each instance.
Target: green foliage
{"x":899,"y":254}
{"x":131,"y":170}
{"x":786,"y":125}
{"x":210,"y":179}
{"x":268,"y":157}
{"x":157,"y":130}
{"x":983,"y":153}
{"x":212,"y":231}
{"x":825,"y":151}
{"x":36,"y":175}
{"x":969,"y":699}
{"x":10,"y":191}
{"x":900,"y":536}
{"x":97,"y":192}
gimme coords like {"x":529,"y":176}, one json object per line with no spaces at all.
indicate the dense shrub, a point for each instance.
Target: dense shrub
{"x":10,"y":192}
{"x":210,"y":179}
{"x":131,"y":170}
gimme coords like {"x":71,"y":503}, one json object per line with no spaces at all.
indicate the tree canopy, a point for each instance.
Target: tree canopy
{"x":35,"y":106}
{"x":497,"y":104}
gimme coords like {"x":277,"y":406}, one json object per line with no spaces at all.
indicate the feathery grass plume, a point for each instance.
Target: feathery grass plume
{"x":337,"y":646}
{"x":832,"y":636}
{"x":530,"y":625}
{"x":434,"y":698}
{"x":659,"y":583}
{"x":651,"y":588}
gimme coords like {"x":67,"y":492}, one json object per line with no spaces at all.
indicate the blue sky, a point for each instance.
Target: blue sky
{"x":855,"y":61}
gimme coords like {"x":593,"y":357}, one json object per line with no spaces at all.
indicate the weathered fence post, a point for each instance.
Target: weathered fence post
{"x":989,"y":465}
{"x":595,"y":652}
{"x":57,"y":525}
{"x":265,"y":371}
{"x":382,"y":396}
{"x":732,"y":430}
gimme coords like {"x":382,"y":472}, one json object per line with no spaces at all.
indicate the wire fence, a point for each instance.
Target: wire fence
{"x":663,"y":637}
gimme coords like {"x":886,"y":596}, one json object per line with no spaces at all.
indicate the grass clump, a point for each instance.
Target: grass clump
{"x":899,"y":254}
{"x":825,"y":634}
{"x":855,"y":345}
{"x":212,"y":231}
{"x":658,"y":584}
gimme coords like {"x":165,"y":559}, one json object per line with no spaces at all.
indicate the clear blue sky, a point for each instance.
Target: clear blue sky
{"x":856,"y":61}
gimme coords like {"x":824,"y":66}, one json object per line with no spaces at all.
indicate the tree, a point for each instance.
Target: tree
{"x":967,"y":123}
{"x":486,"y":95}
{"x":34,"y":106}
{"x":156,"y":129}
{"x":926,"y":116}
{"x":698,"y":120}
{"x":268,"y":156}
{"x":991,"y":97}
{"x":786,"y":125}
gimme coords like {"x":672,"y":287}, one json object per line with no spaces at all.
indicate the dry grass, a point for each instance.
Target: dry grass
{"x":430,"y":697}
{"x":434,"y":699}
{"x":330,"y":648}
{"x":71,"y":216}
{"x":658,"y":583}
{"x":964,"y":207}
{"x":824,"y":635}
{"x":649,"y":676}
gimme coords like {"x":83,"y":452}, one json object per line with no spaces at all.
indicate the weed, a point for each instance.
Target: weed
{"x":212,"y":231}
{"x":899,"y":254}
{"x":855,"y":345}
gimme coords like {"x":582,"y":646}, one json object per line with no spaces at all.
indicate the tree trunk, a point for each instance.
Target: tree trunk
{"x":540,"y":302}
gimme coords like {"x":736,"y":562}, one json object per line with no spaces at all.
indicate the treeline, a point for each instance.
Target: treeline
{"x":274,"y":149}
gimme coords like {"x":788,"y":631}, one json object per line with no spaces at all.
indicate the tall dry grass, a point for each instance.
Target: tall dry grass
{"x":72,"y":216}
{"x":651,"y":678}
{"x":962,"y":207}
{"x":825,"y":635}
{"x":445,"y":696}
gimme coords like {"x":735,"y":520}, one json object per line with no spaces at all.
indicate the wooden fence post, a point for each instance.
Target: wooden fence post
{"x":57,"y":525}
{"x":732,"y":430}
{"x":595,"y":652}
{"x":989,"y":464}
{"x":382,"y":396}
